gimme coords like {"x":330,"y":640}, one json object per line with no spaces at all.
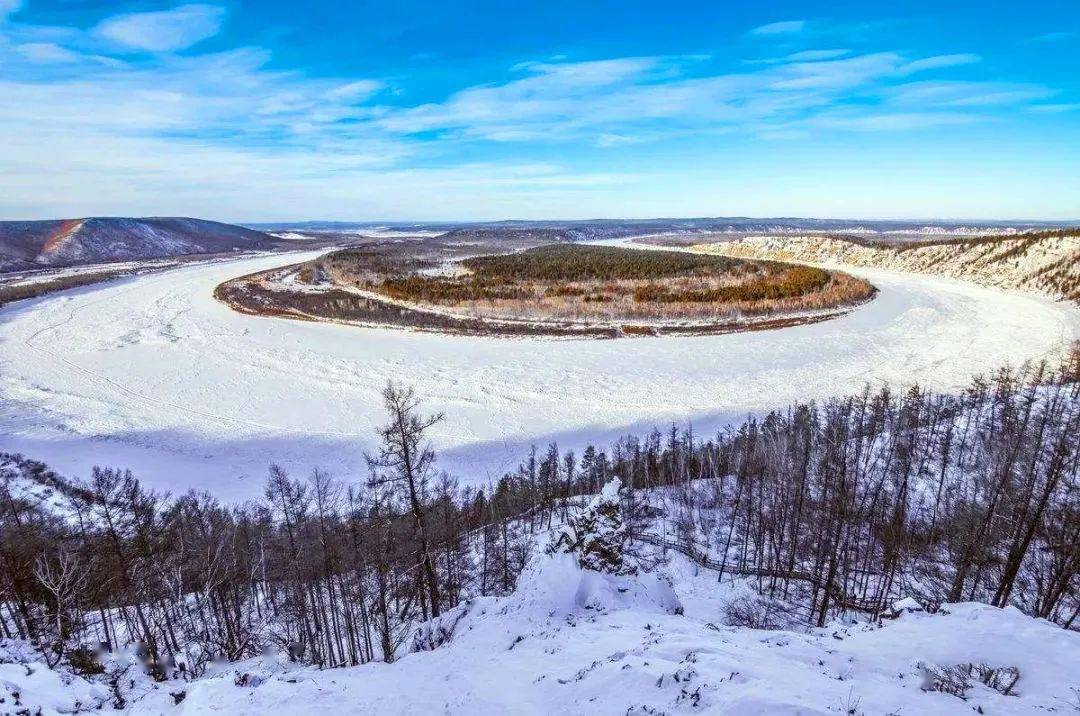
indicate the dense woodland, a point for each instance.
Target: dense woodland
{"x":570,"y":269}
{"x":570,"y":281}
{"x":584,"y":262}
{"x":792,"y":283}
{"x":827,"y":508}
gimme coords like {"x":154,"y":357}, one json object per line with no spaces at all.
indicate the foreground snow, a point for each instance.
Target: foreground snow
{"x":153,"y":374}
{"x":574,"y":642}
{"x":577,"y":642}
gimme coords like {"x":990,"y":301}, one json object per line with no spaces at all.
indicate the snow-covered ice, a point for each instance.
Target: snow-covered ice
{"x":153,"y":374}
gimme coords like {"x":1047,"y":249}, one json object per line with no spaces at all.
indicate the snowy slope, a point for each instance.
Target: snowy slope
{"x":1049,"y":266}
{"x":26,"y":244}
{"x":152,"y":373}
{"x":569,"y":642}
{"x":575,"y":642}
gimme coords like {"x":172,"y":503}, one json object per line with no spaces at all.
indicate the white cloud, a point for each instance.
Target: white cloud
{"x":835,"y":74}
{"x":630,"y":100}
{"x":47,"y":53}
{"x":92,"y":174}
{"x":508,"y":112}
{"x":954,"y":94}
{"x":788,"y":27}
{"x":816,"y":55}
{"x":617,"y":140}
{"x":940,"y":61}
{"x":803,"y":56}
{"x":892,"y":121}
{"x":223,"y":130}
{"x":165,"y":30}
{"x":356,"y":91}
{"x":230,"y":96}
{"x":1054,"y":108}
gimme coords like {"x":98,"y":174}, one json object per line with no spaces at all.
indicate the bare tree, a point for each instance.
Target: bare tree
{"x":64,"y":578}
{"x":407,"y":460}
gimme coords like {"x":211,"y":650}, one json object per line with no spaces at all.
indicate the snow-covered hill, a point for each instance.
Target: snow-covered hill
{"x":29,"y":244}
{"x":573,"y":641}
{"x":1046,"y":265}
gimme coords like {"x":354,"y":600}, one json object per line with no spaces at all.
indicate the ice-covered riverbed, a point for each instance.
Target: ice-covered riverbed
{"x":153,"y":374}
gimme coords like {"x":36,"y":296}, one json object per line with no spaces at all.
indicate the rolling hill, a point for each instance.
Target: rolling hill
{"x":69,"y":242}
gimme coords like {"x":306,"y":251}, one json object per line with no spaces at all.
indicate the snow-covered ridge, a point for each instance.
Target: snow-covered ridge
{"x":1048,"y":266}
{"x":31,"y":244}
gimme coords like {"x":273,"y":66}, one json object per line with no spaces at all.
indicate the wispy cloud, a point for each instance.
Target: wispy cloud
{"x":1054,"y":108}
{"x":816,"y":55}
{"x":956,"y":94}
{"x":938,"y":62}
{"x":550,"y":94}
{"x":839,"y":74}
{"x":356,"y":91}
{"x":891,"y":121}
{"x":133,"y":108}
{"x":165,"y":30}
{"x":802,"y":56}
{"x":786,"y":27}
{"x":618,"y":102}
{"x":47,"y":53}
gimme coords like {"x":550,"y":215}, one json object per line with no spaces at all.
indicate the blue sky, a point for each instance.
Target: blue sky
{"x":250,"y":111}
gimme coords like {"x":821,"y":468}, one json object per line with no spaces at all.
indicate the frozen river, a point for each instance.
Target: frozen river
{"x":153,"y":374}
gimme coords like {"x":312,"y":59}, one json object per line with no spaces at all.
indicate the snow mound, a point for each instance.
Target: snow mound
{"x":556,"y":586}
{"x":907,"y":604}
{"x":1047,"y":656}
{"x":28,"y":685}
{"x":552,"y":591}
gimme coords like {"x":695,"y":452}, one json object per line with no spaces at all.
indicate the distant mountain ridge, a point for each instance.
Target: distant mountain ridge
{"x":614,"y":228}
{"x":69,"y":242}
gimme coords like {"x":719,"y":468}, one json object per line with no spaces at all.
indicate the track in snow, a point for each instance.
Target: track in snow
{"x":153,"y":374}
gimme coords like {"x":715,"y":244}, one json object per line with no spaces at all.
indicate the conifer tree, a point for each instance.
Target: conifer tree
{"x":598,"y":534}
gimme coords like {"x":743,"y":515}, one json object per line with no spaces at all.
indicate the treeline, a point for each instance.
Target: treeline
{"x":329,"y":573}
{"x":441,"y":289}
{"x":13,"y":291}
{"x":859,"y":501}
{"x":827,"y":508}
